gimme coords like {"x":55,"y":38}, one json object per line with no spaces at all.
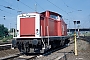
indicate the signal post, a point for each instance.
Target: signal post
{"x":75,"y":47}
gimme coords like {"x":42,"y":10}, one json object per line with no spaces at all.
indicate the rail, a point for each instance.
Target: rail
{"x":11,"y":56}
{"x":5,"y":45}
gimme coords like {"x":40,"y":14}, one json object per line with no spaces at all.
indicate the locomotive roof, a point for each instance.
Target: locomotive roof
{"x":53,"y":13}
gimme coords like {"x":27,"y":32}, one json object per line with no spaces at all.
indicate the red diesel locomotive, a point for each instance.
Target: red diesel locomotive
{"x":38,"y":32}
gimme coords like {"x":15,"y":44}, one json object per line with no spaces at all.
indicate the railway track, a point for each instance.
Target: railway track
{"x":24,"y":57}
{"x":5,"y":46}
{"x":10,"y":57}
{"x":57,"y":56}
{"x":20,"y":56}
{"x":86,"y":38}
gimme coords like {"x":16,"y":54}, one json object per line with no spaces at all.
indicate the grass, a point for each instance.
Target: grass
{"x":5,"y":39}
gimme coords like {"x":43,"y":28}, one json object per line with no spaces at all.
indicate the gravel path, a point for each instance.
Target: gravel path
{"x":68,"y":54}
{"x":58,"y":54}
{"x":8,"y":52}
{"x":83,"y":51}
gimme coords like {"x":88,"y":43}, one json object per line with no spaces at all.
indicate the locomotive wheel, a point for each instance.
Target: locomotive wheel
{"x":26,"y":48}
{"x":19,"y":47}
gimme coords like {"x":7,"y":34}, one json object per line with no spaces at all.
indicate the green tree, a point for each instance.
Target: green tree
{"x":3,"y":31}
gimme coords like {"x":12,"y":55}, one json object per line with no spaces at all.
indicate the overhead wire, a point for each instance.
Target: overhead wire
{"x":39,"y":5}
{"x":67,"y":7}
{"x":87,"y":20}
{"x":16,"y":9}
{"x":65,"y":3}
{"x":5,"y":11}
{"x":7,"y":2}
{"x":56,"y":6}
{"x":8,"y":7}
{"x":70,"y":7}
{"x":4,"y":16}
{"x":60,"y":9}
{"x":25,"y":5}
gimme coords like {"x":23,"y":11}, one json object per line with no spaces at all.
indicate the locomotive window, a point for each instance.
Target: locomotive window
{"x":41,"y":18}
{"x":53,"y":16}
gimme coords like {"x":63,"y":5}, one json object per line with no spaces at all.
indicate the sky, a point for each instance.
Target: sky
{"x":71,"y":10}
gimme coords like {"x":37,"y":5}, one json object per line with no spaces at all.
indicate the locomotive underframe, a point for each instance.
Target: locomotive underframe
{"x":40,"y":45}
